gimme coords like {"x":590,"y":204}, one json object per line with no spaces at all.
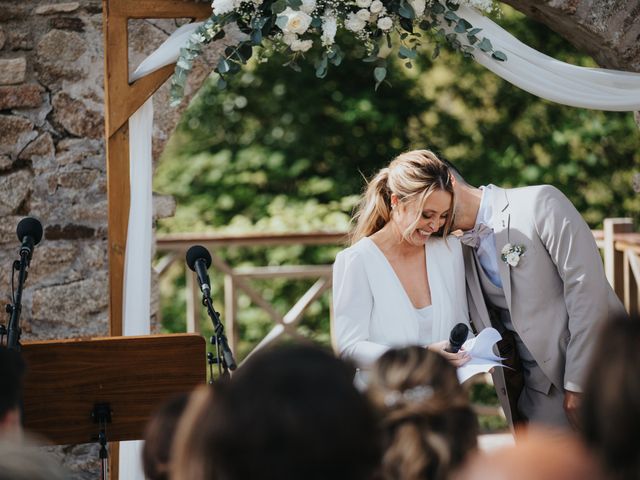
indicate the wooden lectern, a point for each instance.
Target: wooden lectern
{"x":67,"y":379}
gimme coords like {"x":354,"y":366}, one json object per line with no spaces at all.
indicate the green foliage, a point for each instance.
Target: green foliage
{"x":285,"y":151}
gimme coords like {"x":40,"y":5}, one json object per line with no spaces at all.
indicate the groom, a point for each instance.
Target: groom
{"x":534,"y":273}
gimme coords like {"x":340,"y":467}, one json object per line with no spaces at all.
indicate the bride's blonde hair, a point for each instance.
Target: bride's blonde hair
{"x":414,"y":174}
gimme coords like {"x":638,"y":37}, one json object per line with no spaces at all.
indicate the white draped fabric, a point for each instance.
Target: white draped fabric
{"x":546,"y":77}
{"x":535,"y":72}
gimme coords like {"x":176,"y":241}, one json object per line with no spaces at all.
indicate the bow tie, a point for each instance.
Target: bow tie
{"x":477,"y":233}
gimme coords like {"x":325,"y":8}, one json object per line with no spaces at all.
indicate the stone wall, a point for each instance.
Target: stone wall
{"x":52,"y":166}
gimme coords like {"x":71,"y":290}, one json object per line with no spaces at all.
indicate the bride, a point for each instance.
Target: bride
{"x":398,"y":284}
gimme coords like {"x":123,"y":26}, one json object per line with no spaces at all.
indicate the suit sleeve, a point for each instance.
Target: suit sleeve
{"x":573,"y":250}
{"x":352,"y":306}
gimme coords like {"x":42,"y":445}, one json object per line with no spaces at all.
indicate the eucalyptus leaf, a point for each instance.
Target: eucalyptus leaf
{"x":380,"y":73}
{"x":406,"y":10}
{"x":282,"y":21}
{"x":452,"y":5}
{"x":295,"y":4}
{"x":407,"y":53}
{"x":279,"y":6}
{"x":449,"y":15}
{"x":437,"y":8}
{"x":222,"y":83}
{"x":498,"y":55}
{"x":223,"y":66}
{"x":474,"y":31}
{"x":485,"y":45}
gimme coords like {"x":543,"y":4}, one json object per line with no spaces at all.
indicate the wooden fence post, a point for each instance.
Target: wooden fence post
{"x":614,"y":260}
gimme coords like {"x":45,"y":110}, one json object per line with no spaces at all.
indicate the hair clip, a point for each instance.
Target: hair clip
{"x":416,"y":394}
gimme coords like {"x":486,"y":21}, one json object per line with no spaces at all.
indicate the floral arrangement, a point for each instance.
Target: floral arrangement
{"x":295,"y":26}
{"x":511,"y":254}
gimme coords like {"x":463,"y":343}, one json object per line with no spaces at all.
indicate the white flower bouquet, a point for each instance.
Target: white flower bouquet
{"x":295,"y":26}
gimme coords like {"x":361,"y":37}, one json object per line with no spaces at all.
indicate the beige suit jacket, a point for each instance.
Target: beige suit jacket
{"x":558,"y":294}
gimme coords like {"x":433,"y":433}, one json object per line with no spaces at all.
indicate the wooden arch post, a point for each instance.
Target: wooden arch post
{"x":123,"y":99}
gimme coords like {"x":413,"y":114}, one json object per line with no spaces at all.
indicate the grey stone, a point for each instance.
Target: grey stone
{"x":77,"y":179}
{"x":164,"y":206}
{"x":38,"y":115}
{"x":20,"y":39}
{"x":41,"y":153}
{"x":3,"y":38}
{"x":5,"y":162}
{"x":21,"y":96}
{"x":12,"y":70}
{"x":56,"y":8}
{"x":14,"y":189}
{"x":15,"y":134}
{"x":76,"y":117}
{"x":8,"y":231}
{"x":58,"y":55}
{"x":82,"y":151}
{"x":67,"y":23}
{"x":71,"y":302}
{"x":51,"y":257}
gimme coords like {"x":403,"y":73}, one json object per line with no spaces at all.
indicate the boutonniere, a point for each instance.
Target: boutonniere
{"x":511,"y":254}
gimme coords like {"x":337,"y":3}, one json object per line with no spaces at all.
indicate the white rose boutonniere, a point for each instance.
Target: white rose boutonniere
{"x":511,"y":254}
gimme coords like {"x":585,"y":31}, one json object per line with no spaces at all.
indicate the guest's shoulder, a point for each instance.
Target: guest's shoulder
{"x":536,"y":192}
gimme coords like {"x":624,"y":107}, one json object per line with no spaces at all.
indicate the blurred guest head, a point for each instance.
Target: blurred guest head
{"x":158,"y":436}
{"x":22,"y":461}
{"x":290,"y":412}
{"x":11,"y":374}
{"x":611,"y":400}
{"x":537,"y":455}
{"x":428,"y":425}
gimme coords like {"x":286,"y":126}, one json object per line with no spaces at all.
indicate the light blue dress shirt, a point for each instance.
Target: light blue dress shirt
{"x":487,"y":254}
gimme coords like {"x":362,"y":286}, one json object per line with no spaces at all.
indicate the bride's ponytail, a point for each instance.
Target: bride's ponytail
{"x":374,"y":210}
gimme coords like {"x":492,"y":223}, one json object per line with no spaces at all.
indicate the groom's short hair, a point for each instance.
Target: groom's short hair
{"x":453,"y":169}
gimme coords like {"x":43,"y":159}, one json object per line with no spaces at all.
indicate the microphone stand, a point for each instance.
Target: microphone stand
{"x":223,"y":356}
{"x":14,"y":331}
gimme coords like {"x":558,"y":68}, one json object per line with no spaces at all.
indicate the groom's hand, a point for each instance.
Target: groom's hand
{"x":458,"y":359}
{"x":572,"y":401}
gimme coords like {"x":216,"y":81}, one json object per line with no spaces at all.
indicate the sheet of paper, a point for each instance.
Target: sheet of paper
{"x":482,"y":357}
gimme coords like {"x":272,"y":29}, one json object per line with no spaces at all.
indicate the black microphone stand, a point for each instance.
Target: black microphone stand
{"x":223,"y":357}
{"x":14,"y":330}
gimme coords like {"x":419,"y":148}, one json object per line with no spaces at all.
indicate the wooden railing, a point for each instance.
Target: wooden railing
{"x":620,"y":245}
{"x":172,"y":248}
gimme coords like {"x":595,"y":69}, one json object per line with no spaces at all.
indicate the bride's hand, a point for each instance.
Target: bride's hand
{"x":457,"y":359}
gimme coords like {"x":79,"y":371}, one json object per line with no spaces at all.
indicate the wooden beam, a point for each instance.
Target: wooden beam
{"x":160,"y":9}
{"x":118,"y":195}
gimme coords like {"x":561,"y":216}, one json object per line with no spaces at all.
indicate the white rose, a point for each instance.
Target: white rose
{"x":385,"y":23}
{"x":363,"y":3}
{"x":506,"y":249}
{"x":308,"y":6}
{"x":289,"y":38}
{"x":296,"y":21}
{"x":512,"y":259}
{"x":418,"y":6}
{"x":376,"y":6}
{"x":485,"y":5}
{"x":354,"y":23}
{"x":220,"y":7}
{"x":329,"y":28}
{"x":363,"y":15}
{"x":301,"y":45}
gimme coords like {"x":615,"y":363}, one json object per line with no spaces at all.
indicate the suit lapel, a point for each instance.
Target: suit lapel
{"x":473,"y":283}
{"x":501,"y":226}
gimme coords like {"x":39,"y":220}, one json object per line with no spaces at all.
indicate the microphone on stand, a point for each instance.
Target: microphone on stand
{"x":29,"y":233}
{"x":457,"y":337}
{"x":199,"y":260}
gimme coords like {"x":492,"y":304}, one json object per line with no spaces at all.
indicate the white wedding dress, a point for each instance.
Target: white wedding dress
{"x":372,"y":311}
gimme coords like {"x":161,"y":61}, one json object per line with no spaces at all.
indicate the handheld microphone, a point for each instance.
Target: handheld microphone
{"x":199,"y":260}
{"x":29,"y":232}
{"x":457,"y":337}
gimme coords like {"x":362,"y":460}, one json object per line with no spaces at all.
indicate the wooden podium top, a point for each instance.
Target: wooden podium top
{"x":134,"y":375}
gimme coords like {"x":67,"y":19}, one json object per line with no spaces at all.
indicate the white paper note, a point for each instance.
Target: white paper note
{"x":482,"y":357}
